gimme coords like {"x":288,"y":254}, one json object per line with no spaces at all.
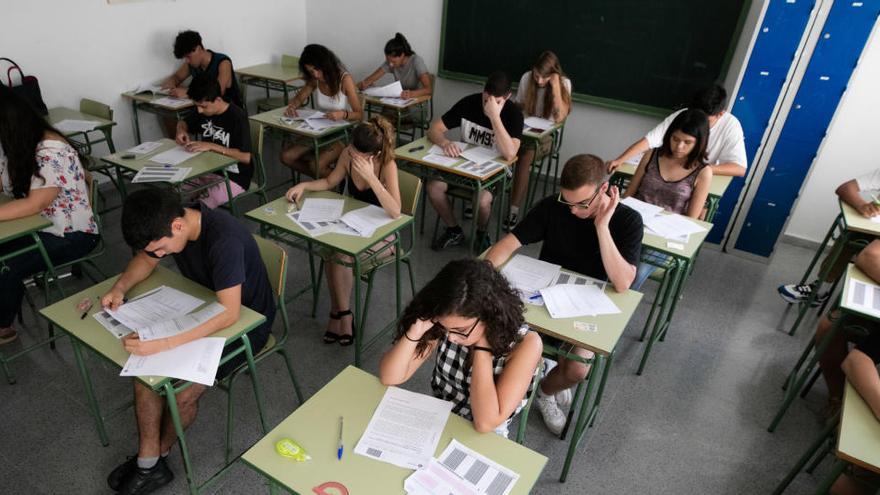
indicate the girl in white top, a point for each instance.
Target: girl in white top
{"x":407,"y":67}
{"x":335,"y":95}
{"x":543,"y":92}
{"x":43,"y":174}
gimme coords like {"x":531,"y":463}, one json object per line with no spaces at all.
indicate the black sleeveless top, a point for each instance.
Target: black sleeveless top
{"x":367,"y":195}
{"x":232,"y":93}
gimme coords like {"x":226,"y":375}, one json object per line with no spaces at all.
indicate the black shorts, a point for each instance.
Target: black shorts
{"x":863,"y":332}
{"x":257,"y":337}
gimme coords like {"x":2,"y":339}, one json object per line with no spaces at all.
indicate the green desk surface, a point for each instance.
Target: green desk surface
{"x":529,"y":133}
{"x":858,"y":223}
{"x":355,"y":394}
{"x":147,"y":97}
{"x":204,"y":163}
{"x":88,"y":331}
{"x":271,"y":72}
{"x":61,"y":113}
{"x":403,"y":153}
{"x":272,"y":118}
{"x":13,"y":229}
{"x":716,"y":189}
{"x":690,"y":250}
{"x":859,"y":440}
{"x":274,"y":214}
{"x":375,"y":100}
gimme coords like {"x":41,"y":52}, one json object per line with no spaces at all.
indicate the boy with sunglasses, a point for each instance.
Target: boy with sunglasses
{"x":584,"y":229}
{"x":213,"y":249}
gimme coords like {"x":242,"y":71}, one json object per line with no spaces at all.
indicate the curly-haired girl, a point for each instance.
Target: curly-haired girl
{"x":485,"y":356}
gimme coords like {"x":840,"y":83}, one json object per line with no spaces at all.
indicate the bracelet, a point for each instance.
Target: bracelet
{"x":481,"y":348}
{"x":409,"y":339}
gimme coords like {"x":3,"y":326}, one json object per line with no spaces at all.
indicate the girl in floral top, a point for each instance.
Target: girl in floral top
{"x":40,"y":173}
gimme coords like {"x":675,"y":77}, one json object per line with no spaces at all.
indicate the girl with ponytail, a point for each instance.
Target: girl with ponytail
{"x":405,"y":66}
{"x":367,"y":166}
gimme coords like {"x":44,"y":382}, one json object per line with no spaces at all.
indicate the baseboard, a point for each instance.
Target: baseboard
{"x":800,"y":242}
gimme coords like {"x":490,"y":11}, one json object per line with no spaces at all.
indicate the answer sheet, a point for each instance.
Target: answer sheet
{"x":864,"y":297}
{"x":171,"y":102}
{"x":405,"y":428}
{"x":528,"y":274}
{"x":396,"y":102}
{"x":195,"y":361}
{"x":161,"y":304}
{"x":437,"y":150}
{"x":442,"y":160}
{"x":672,"y":226}
{"x":570,"y":301}
{"x":480,"y":154}
{"x":392,"y":90}
{"x":145,"y":147}
{"x":161,"y":174}
{"x":314,"y":229}
{"x":179,"y":324}
{"x":174,"y":156}
{"x":646,"y":210}
{"x":321,"y":210}
{"x":366,"y":220}
{"x":484,"y":474}
{"x":537,"y":123}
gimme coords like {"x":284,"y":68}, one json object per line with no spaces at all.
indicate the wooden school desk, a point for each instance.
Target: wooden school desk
{"x":271,"y":77}
{"x":416,"y":110}
{"x":11,"y":230}
{"x":275,"y":224}
{"x":87,"y":332}
{"x":410,"y":157}
{"x":355,"y":394}
{"x":146,"y":102}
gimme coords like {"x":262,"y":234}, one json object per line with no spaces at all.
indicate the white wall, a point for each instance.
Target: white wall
{"x":359,"y":45}
{"x":847,"y":150}
{"x":89,"y":49}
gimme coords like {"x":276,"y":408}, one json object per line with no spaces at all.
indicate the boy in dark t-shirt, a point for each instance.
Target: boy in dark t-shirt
{"x":211,"y":248}
{"x":584,"y":229}
{"x":487,"y":119}
{"x":223,"y":128}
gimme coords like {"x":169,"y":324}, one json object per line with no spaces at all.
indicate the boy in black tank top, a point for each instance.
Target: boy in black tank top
{"x":197,"y":60}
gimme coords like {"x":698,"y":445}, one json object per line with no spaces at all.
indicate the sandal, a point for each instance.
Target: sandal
{"x":8,"y":335}
{"x":330,"y":337}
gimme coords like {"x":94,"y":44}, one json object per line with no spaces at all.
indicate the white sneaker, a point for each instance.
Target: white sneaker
{"x":563,"y":398}
{"x":554,"y":418}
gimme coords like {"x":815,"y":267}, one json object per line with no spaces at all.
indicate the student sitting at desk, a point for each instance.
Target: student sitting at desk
{"x":726,"y":149}
{"x":675,"y":175}
{"x":486,"y":119}
{"x":544,"y":92}
{"x":335,"y":95}
{"x":852,"y":192}
{"x":406,"y":66}
{"x":370,"y":173}
{"x":197,"y":60}
{"x":223,"y":128}
{"x":213,"y":249}
{"x":42,"y":171}
{"x":486,"y":358}
{"x":584,"y":229}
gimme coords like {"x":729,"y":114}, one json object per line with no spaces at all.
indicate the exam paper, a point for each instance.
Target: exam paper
{"x":319,"y":124}
{"x":150,"y":87}
{"x":145,"y":147}
{"x":321,"y":210}
{"x":161,"y":304}
{"x":646,"y":210}
{"x":537,"y":123}
{"x":437,"y":150}
{"x":482,"y":473}
{"x":314,"y":229}
{"x":437,"y":479}
{"x":576,"y":279}
{"x":171,"y":102}
{"x":111,"y":324}
{"x":179,"y":324}
{"x":392,"y":90}
{"x":195,"y":361}
{"x":174,"y":156}
{"x":366,"y":220}
{"x":864,"y":297}
{"x":480,"y":169}
{"x":405,"y":428}
{"x":675,"y":227}
{"x":442,"y":160}
{"x":528,"y":274}
{"x":161,"y":174}
{"x":396,"y":102}
{"x":480,"y":154}
{"x":569,"y":301}
{"x":72,"y":125}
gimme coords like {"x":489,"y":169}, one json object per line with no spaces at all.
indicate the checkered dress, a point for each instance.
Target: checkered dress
{"x":451,"y":379}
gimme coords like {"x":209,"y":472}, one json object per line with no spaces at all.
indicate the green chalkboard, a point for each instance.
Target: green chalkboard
{"x":646,"y":56}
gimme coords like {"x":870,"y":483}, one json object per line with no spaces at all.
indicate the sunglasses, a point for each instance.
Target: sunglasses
{"x":583,"y":205}
{"x":448,"y":331}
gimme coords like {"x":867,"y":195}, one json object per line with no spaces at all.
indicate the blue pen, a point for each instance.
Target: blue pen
{"x":535,"y":297}
{"x":339,"y":450}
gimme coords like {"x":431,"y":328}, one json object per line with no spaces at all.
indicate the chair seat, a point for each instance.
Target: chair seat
{"x":270,"y":344}
{"x":658,"y":274}
{"x":254,"y":187}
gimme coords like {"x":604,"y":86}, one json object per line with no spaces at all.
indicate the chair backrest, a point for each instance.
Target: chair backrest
{"x":257,"y":154}
{"x":275,"y":259}
{"x":256,"y":133}
{"x":410,"y":191}
{"x":95,"y":108}
{"x":289,"y":61}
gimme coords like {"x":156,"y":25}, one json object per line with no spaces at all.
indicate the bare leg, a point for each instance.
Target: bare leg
{"x":485,"y":210}
{"x":521,"y":176}
{"x":188,"y":406}
{"x":566,"y":374}
{"x":832,"y":358}
{"x":327,"y":157}
{"x":294,"y":157}
{"x":340,"y":281}
{"x":148,"y":406}
{"x":437,"y":196}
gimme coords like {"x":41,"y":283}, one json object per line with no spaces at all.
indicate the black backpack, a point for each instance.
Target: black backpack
{"x":28,"y":89}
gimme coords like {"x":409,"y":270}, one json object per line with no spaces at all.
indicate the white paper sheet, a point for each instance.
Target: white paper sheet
{"x":318,"y":125}
{"x":366,"y":220}
{"x":179,"y":324}
{"x":537,"y":123}
{"x":483,"y":169}
{"x":437,"y":150}
{"x":161,"y":174}
{"x":172,"y":102}
{"x":173,"y":156}
{"x":195,"y":361}
{"x":112,"y":325}
{"x":74,"y":125}
{"x":160,"y":305}
{"x":391,"y":90}
{"x":437,"y":479}
{"x":314,"y":229}
{"x":145,"y":147}
{"x":675,"y":227}
{"x":321,"y":210}
{"x":442,"y":160}
{"x":405,"y":428}
{"x":485,"y":475}
{"x":528,"y":274}
{"x":576,"y":279}
{"x":864,"y":297}
{"x":396,"y":102}
{"x":480,"y":154}
{"x":569,"y":301}
{"x":150,"y":87}
{"x":646,"y":210}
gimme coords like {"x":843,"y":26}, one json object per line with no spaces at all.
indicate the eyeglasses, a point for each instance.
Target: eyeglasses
{"x":447,"y":331}
{"x":583,"y":205}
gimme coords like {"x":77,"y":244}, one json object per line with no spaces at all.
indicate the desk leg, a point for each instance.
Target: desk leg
{"x":823,"y":274}
{"x":821,"y":439}
{"x":829,"y":479}
{"x":120,"y":177}
{"x":136,"y":121}
{"x":252,"y":367}
{"x":358,"y":325}
{"x":581,"y":422}
{"x":397,"y":274}
{"x":684,"y":273}
{"x":475,"y":205}
{"x":229,"y":198}
{"x":317,"y":157}
{"x":50,"y":269}
{"x":606,"y":370}
{"x":90,"y":392}
{"x":662,"y":321}
{"x":171,"y":401}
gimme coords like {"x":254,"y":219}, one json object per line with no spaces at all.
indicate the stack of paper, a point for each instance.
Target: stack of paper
{"x":537,"y":124}
{"x":672,"y":226}
{"x":69,"y":126}
{"x":392,"y":90}
{"x":529,"y":275}
{"x":366,"y":220}
{"x":461,"y":470}
{"x":196,"y":361}
{"x":576,"y":279}
{"x":171,"y":102}
{"x":150,"y":87}
{"x":161,"y":174}
{"x":483,"y":169}
{"x":314,"y":229}
{"x":321,"y":210}
{"x":396,"y":102}
{"x":569,"y":301}
{"x":174,"y":156}
{"x":145,"y":147}
{"x":646,"y":210}
{"x":160,"y":304}
{"x":480,"y":154}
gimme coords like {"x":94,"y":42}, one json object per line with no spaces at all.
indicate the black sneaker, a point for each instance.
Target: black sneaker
{"x":121,"y":472}
{"x":143,"y":481}
{"x":799,"y":293}
{"x":453,"y":236}
{"x":484,"y":242}
{"x":510,"y":222}
{"x":468,"y":212}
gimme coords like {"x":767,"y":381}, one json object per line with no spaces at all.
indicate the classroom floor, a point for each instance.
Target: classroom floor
{"x":695,"y":422}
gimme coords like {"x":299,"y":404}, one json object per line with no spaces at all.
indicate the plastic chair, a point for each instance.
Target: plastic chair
{"x":258,"y":182}
{"x":273,"y":102}
{"x":89,"y":139}
{"x":275,"y":259}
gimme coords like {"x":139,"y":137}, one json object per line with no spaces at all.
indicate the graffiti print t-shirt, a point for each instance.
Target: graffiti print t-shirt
{"x":475,"y":125}
{"x":229,"y":129}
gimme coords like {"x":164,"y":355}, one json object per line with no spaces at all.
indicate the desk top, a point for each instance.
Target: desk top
{"x":147,"y":97}
{"x":355,"y":394}
{"x":716,"y":189}
{"x":13,"y":229}
{"x":271,"y":72}
{"x":58,"y":114}
{"x":272,"y":118}
{"x":529,"y":132}
{"x":376,"y":100}
{"x":88,"y":331}
{"x":859,"y":440}
{"x":206,"y":162}
{"x":404,"y":153}
{"x":274,"y":214}
{"x":691,"y":248}
{"x":856,"y":222}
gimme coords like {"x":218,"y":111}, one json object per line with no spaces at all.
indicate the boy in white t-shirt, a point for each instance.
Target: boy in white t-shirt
{"x":726,"y":149}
